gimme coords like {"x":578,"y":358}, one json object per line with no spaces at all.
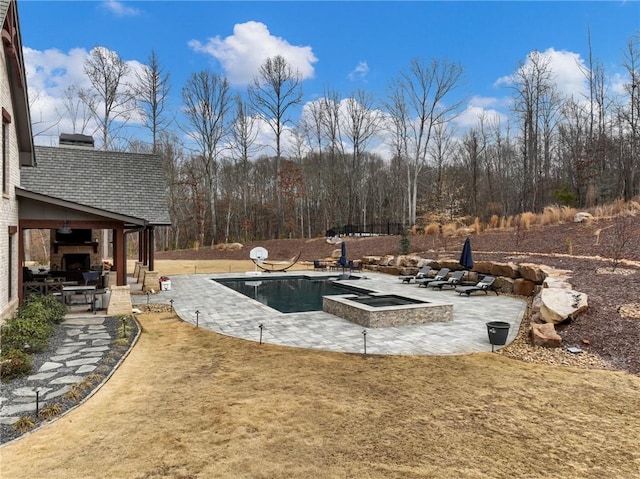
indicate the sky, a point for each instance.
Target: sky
{"x":335,"y":45}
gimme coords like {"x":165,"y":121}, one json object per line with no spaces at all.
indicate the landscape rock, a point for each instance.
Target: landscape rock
{"x":508,"y":270}
{"x":551,"y":282}
{"x":524,"y":287}
{"x":482,"y":267}
{"x":582,"y":216}
{"x":504,"y":285}
{"x":559,"y":304}
{"x":545,"y":335}
{"x":532,"y":272}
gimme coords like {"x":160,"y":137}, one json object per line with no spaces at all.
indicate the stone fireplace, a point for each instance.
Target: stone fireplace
{"x":75,"y":253}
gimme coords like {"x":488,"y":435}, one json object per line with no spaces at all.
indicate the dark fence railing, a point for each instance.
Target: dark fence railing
{"x":372,"y":229}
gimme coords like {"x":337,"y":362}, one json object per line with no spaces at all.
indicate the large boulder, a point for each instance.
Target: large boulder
{"x":582,"y":216}
{"x":532,"y":272}
{"x":504,"y":285}
{"x":545,"y":335}
{"x":482,"y":267}
{"x":551,"y":282}
{"x":387,"y":260}
{"x":559,"y":304}
{"x":371,"y":259}
{"x":508,"y":270}
{"x":452,"y":264}
{"x":524,"y":287}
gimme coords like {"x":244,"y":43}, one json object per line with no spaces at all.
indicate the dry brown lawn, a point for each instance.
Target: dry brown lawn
{"x":190,"y":403}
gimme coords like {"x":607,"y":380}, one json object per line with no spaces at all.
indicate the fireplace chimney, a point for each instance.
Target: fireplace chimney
{"x":76,"y":140}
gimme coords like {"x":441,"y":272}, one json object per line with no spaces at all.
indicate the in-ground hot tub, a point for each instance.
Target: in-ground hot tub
{"x":379,"y":310}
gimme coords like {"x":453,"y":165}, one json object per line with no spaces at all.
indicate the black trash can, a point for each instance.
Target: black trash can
{"x":498,"y":332}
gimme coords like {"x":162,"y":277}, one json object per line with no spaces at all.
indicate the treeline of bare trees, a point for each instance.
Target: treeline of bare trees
{"x":323,"y":171}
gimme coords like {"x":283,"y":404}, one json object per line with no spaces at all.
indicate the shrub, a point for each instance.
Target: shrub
{"x":24,"y":424}
{"x":55,"y":310}
{"x":405,"y":244}
{"x":50,"y":411}
{"x":26,"y":334}
{"x":15,"y":363}
{"x":43,"y":307}
{"x":432,"y":229}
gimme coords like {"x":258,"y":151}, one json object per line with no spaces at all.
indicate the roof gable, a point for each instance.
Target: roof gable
{"x":130,"y":184}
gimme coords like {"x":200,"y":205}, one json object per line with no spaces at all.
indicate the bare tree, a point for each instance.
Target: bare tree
{"x":152,"y":90}
{"x":533,"y":86}
{"x":273,"y":93}
{"x":631,"y":163}
{"x":419,"y":96}
{"x":361,"y":123}
{"x":244,"y":135}
{"x":207,"y":102}
{"x":76,"y":110}
{"x":109,"y":99}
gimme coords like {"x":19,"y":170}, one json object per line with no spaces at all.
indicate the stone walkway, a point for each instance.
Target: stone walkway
{"x":87,"y":341}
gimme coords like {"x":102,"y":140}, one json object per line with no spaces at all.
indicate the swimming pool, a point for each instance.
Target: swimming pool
{"x":293,"y":294}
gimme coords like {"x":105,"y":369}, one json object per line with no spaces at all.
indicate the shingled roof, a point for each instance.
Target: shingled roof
{"x":130,"y":184}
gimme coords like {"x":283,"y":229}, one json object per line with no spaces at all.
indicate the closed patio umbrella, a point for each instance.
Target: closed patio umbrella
{"x":343,"y":256}
{"x":466,"y":258}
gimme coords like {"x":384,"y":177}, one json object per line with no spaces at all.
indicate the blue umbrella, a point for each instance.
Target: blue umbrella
{"x":343,"y":256}
{"x":466,"y":258}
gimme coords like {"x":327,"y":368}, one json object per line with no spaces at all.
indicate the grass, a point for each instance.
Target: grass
{"x":191,"y":403}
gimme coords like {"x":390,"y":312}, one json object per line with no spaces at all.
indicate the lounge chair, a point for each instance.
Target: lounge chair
{"x":440,"y":276}
{"x":483,"y":285}
{"x":423,"y":273}
{"x":452,"y":282}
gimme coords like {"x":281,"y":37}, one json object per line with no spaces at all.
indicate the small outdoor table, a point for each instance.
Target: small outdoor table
{"x":85,"y":290}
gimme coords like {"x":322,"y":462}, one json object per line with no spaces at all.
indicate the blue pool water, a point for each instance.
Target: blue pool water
{"x":292,"y":294}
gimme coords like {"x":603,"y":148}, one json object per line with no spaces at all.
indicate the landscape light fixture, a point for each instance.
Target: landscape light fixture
{"x":65,"y":230}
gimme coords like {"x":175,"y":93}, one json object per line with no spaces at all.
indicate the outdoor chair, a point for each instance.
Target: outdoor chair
{"x":54,"y":288}
{"x":319,"y":266}
{"x":355,"y":265}
{"x":33,"y":288}
{"x":440,"y":276}
{"x":453,"y":281}
{"x":483,"y":285}
{"x":423,"y":273}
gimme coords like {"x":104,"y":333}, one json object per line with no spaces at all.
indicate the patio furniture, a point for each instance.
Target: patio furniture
{"x":440,"y":276}
{"x":423,"y":273}
{"x":319,"y":265}
{"x":483,"y":285}
{"x":86,"y":291}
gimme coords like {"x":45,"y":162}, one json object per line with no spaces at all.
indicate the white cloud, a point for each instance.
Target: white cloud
{"x":481,"y":107}
{"x":360,"y":72}
{"x":567,"y":72}
{"x":119,"y":8}
{"x":49,"y":74}
{"x":242,"y":53}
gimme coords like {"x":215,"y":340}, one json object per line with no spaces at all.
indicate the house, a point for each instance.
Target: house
{"x":16,"y":141}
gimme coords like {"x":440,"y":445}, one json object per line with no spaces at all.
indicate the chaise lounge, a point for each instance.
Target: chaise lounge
{"x":440,"y":276}
{"x":453,"y":281}
{"x":483,"y":285}
{"x":423,"y":273}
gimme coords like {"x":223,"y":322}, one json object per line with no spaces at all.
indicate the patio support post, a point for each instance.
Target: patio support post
{"x":20,"y":261}
{"x":141,"y":247}
{"x":120,"y":255}
{"x":150,"y":248}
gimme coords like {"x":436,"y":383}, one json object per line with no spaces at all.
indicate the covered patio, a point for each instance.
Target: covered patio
{"x":92,"y":202}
